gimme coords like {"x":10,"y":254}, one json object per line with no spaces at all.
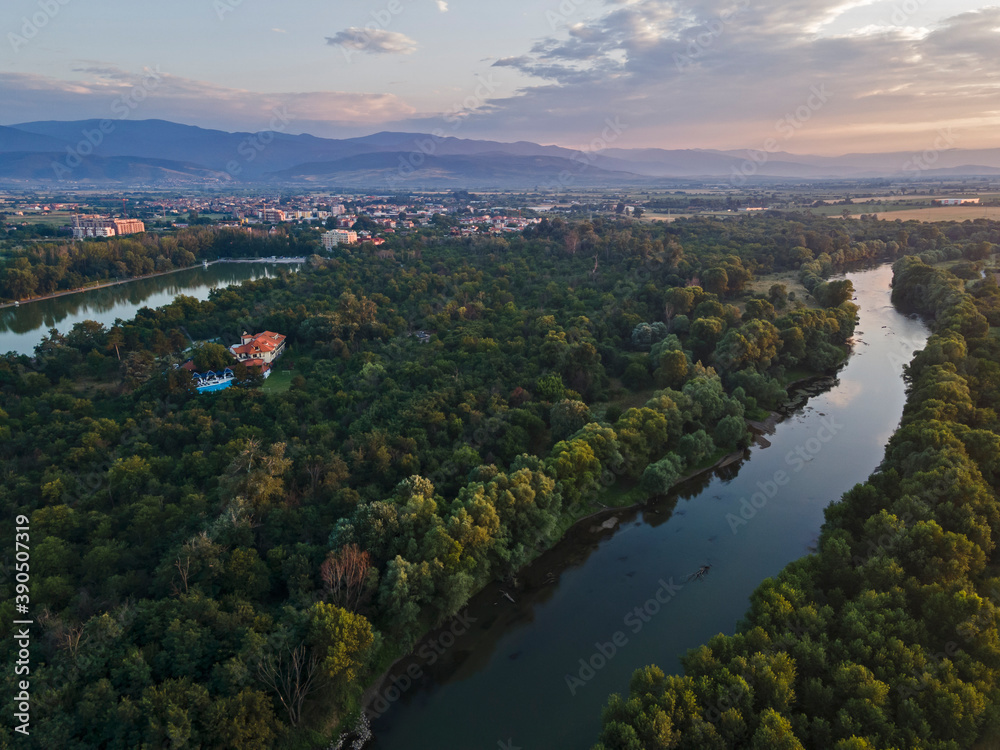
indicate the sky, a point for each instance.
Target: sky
{"x":804,"y":76}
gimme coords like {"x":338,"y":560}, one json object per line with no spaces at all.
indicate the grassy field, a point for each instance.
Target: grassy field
{"x":942,"y":213}
{"x":791,"y":281}
{"x":58,"y":218}
{"x":279,"y":381}
{"x":864,"y":207}
{"x":650,"y":216}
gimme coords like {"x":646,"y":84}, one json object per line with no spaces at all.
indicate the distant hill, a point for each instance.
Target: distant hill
{"x":165,"y":152}
{"x":495,"y":169}
{"x":14,"y":140}
{"x":38,"y":167}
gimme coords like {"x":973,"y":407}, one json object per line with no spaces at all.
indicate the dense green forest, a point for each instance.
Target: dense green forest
{"x":887,"y":636}
{"x":232,"y":570}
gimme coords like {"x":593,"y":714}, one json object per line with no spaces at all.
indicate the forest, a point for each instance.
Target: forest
{"x":231,"y":571}
{"x":886,"y":637}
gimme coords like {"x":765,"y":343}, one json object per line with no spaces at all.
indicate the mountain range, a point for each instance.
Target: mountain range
{"x":161,"y":153}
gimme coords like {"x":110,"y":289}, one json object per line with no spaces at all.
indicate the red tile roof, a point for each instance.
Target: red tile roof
{"x":267,"y":341}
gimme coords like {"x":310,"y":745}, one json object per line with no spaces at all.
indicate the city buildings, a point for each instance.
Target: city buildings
{"x":336,"y":237}
{"x":84,"y":225}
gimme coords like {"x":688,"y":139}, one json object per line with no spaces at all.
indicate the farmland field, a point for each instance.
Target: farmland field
{"x":944,"y":213}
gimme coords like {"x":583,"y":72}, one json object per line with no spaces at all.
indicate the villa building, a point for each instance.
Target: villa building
{"x":259,"y":350}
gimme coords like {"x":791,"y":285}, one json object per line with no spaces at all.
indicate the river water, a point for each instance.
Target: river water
{"x":510,"y":674}
{"x":22,"y":328}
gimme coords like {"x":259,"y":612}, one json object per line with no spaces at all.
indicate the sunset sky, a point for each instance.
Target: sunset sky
{"x":817,"y":76}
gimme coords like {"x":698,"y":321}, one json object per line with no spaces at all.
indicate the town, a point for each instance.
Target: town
{"x":338,"y":219}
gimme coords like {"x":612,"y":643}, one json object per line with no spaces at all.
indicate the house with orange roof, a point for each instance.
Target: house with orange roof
{"x":259,"y":350}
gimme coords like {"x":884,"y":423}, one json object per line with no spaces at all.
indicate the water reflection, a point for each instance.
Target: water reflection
{"x":22,"y":328}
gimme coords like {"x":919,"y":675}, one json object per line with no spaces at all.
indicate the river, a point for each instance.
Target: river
{"x":22,"y":328}
{"x":509,"y":675}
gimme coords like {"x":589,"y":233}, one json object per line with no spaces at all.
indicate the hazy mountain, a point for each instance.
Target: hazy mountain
{"x":161,"y":151}
{"x":12,"y":139}
{"x":38,"y":167}
{"x":410,"y":170}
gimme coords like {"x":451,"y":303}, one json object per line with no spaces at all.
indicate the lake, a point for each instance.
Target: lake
{"x":22,"y":328}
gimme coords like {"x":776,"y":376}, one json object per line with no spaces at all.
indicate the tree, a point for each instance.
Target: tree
{"x":645,"y":335}
{"x":706,"y":333}
{"x":137,"y":368}
{"x":567,"y":417}
{"x":696,"y":447}
{"x":550,"y":387}
{"x":87,"y":335}
{"x":774,"y":733}
{"x":833,"y":293}
{"x":256,"y":474}
{"x":127,"y":477}
{"x":673,"y":370}
{"x":293,"y":674}
{"x":731,"y":432}
{"x":680,"y":300}
{"x":754,"y":344}
{"x":715,"y":281}
{"x":244,"y":721}
{"x":211,"y":356}
{"x":778,"y":295}
{"x":176,"y":713}
{"x":115,"y":341}
{"x":343,"y":640}
{"x":659,"y":477}
{"x":759,"y":308}
{"x":346,"y":576}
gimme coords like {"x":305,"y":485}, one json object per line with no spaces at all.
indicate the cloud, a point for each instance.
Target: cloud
{"x":375,"y":41}
{"x":37,"y":97}
{"x":725,"y":73}
{"x":442,"y":6}
{"x":279,"y":31}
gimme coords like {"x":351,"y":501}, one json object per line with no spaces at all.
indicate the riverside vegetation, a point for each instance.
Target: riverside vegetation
{"x":232,"y":570}
{"x":887,"y":636}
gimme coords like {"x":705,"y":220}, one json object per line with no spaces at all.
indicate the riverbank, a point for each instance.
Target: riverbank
{"x":131,"y":279}
{"x":599,"y":520}
{"x":531,"y":669}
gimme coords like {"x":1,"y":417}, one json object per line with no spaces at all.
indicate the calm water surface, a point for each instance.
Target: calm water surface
{"x":22,"y":328}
